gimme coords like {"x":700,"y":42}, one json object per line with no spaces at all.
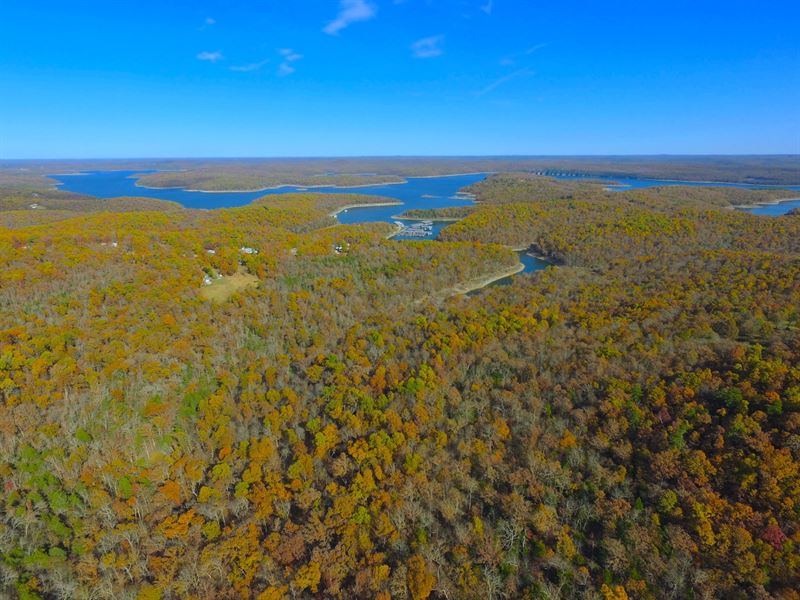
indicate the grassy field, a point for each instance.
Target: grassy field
{"x":222,"y":289}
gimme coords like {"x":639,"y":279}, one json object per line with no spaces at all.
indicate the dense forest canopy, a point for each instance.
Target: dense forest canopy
{"x":625,"y":424}
{"x":524,"y":187}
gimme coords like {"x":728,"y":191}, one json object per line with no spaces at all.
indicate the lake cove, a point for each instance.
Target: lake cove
{"x":414,"y":193}
{"x":620,"y":184}
{"x":530,"y":264}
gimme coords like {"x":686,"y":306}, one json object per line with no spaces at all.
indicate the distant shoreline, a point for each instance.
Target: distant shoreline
{"x":368,"y":205}
{"x":452,"y":175}
{"x":310,"y":187}
{"x":762,"y":203}
{"x":738,"y":184}
{"x":272,"y":187}
{"x":688,"y":182}
{"x":137,"y":178}
{"x":433,"y":219}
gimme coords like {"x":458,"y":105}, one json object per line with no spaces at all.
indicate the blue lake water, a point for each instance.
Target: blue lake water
{"x":531,"y":264}
{"x":415,"y":193}
{"x":622,"y":183}
{"x":774,"y":210}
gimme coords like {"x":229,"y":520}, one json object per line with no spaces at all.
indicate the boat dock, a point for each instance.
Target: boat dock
{"x":419,"y":229}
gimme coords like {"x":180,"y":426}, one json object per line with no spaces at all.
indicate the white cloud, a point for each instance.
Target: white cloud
{"x":207,"y":22}
{"x":535,"y":48}
{"x":210,"y":56}
{"x":428,"y":47}
{"x":487,"y":8}
{"x":510,"y":60}
{"x":289,"y":57}
{"x":250,"y":67}
{"x":498,"y":82}
{"x":350,"y":11}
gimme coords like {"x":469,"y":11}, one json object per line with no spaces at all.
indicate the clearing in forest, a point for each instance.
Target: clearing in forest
{"x":223,"y":288}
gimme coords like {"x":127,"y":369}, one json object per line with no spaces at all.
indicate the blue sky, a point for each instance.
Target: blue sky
{"x":397,"y":77}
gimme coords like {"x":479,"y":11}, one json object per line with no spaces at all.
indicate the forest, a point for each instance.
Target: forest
{"x":257,"y":174}
{"x":624,"y":424}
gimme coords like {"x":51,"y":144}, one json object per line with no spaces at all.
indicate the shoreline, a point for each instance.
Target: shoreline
{"x":527,"y":250}
{"x":396,"y":230}
{"x":740,"y":185}
{"x":432,"y":219}
{"x":271,"y":187}
{"x":370,"y":205}
{"x":452,"y":175}
{"x":763,"y":203}
{"x":310,"y":187}
{"x":688,"y":182}
{"x":137,"y":178}
{"x":464,"y":288}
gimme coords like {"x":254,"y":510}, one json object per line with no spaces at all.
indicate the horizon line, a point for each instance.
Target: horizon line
{"x":406,"y":156}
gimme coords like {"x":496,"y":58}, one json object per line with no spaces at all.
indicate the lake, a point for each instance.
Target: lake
{"x":531,"y":264}
{"x":415,"y":193}
{"x":620,"y":184}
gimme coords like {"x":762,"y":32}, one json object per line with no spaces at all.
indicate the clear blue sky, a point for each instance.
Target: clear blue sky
{"x":120,"y":78}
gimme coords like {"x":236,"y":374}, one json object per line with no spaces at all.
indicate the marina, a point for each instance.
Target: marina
{"x":418,"y":229}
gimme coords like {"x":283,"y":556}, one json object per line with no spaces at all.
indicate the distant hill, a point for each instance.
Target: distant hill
{"x":258,"y":173}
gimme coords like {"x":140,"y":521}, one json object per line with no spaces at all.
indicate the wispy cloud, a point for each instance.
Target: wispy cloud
{"x":428,"y":47}
{"x":487,"y":8}
{"x":350,"y":11}
{"x":210,"y":56}
{"x":210,"y":21}
{"x":503,"y":80}
{"x":250,"y":67}
{"x":510,"y":60}
{"x":535,"y":48}
{"x":289,"y":57}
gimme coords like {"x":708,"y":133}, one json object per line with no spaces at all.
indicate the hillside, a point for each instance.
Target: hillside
{"x":623,"y":425}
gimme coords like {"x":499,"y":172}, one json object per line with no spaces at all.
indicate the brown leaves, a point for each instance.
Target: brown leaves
{"x":177,"y":526}
{"x":419,"y":579}
{"x":171,"y":490}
